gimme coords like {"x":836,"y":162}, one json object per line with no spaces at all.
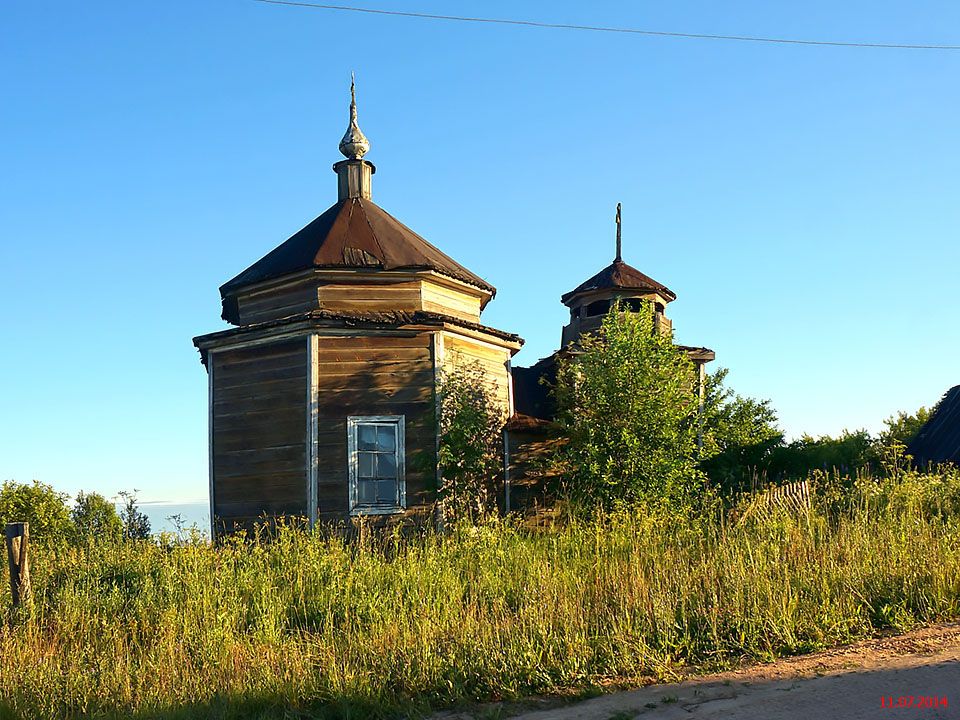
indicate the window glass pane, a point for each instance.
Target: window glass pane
{"x":387,"y":492}
{"x":367,"y":437}
{"x":386,"y":465}
{"x":366,"y":492}
{"x":376,"y":478}
{"x":365,"y":464}
{"x":387,"y":437}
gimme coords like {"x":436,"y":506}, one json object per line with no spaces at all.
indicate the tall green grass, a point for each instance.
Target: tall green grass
{"x":309,"y":625}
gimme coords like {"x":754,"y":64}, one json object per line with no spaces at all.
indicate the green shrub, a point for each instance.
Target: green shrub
{"x":135,"y":524}
{"x":739,"y":436}
{"x":470,"y":453}
{"x":95,"y":517}
{"x":629,"y":413}
{"x":40,"y":505}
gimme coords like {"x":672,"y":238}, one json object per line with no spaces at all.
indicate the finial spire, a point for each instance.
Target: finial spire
{"x":354,"y":144}
{"x":618,"y":258}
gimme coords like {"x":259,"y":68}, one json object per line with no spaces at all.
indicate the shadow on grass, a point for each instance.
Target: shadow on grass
{"x":251,"y":707}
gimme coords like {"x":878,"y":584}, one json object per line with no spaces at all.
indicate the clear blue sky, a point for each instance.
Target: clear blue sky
{"x":801,"y":201}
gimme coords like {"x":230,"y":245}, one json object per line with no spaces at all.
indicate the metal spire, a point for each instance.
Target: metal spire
{"x":354,"y":144}
{"x":618,"y":258}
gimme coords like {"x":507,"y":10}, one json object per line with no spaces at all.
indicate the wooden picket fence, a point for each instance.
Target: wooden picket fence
{"x":793,"y":498}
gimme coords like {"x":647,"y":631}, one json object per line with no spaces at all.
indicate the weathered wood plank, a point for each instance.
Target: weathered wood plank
{"x":265,"y":488}
{"x":265,"y":376}
{"x":17,"y":540}
{"x":230,"y":468}
{"x":387,"y":395}
{"x":233,"y":420}
{"x":280,"y":351}
{"x":375,"y":341}
{"x":441,"y":299}
{"x":364,"y":355}
{"x":253,"y":403}
{"x":411,"y":371}
{"x":256,"y":509}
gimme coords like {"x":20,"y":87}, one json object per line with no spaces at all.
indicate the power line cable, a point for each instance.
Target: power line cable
{"x":600,"y":28}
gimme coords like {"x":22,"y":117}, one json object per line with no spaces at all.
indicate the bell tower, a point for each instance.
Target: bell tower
{"x":619,"y":282}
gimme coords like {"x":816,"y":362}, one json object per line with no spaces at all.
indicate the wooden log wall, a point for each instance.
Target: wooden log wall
{"x":531,"y":482}
{"x":259,"y":432}
{"x":371,"y":297}
{"x":374,"y":375}
{"x":460,"y":350}
{"x":273,"y":303}
{"x":446,"y":300}
{"x":363,"y":293}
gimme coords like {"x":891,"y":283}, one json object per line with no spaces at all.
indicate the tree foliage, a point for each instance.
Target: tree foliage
{"x":629,"y":412}
{"x":470,"y":455}
{"x":95,"y":517}
{"x":38,"y":504}
{"x":136,"y":525}
{"x":52,"y":521}
{"x":743,"y":446}
{"x":846,"y":453}
{"x":739,"y":434}
{"x":903,"y":427}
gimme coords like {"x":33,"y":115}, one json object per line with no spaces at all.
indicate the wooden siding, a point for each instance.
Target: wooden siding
{"x":276,"y":302}
{"x":493,"y":360}
{"x":259,"y":432}
{"x":531,"y":482}
{"x":371,"y":297}
{"x":359,"y":293}
{"x":449,"y":301}
{"x":374,"y":375}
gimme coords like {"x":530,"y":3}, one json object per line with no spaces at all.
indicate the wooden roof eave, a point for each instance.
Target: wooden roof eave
{"x":376,"y":276}
{"x":476,"y":334}
{"x":297,"y":326}
{"x":587,"y":296}
{"x":699,"y":354}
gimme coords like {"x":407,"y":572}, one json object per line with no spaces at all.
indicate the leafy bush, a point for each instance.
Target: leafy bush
{"x":136,"y":525}
{"x":903,"y":427}
{"x":846,"y":453}
{"x":628,"y":409}
{"x":40,"y":505}
{"x":744,"y":447}
{"x":470,"y":453}
{"x":95,"y":517}
{"x":739,"y":435}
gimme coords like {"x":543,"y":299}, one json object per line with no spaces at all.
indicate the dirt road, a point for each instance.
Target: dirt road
{"x":845,"y":683}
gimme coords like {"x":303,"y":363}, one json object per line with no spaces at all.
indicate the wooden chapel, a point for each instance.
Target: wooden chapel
{"x":321,"y":398}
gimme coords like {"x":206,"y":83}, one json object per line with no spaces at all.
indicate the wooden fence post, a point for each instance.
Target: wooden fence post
{"x":18,"y":560}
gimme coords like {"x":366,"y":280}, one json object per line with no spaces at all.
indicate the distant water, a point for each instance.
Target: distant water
{"x":197,"y":512}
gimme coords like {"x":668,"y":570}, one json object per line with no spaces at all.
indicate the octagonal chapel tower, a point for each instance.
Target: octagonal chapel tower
{"x":322,"y":396}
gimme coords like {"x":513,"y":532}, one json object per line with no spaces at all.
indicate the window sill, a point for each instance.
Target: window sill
{"x":376,"y":511}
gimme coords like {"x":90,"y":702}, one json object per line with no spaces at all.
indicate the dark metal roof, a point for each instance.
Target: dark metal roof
{"x":354,"y":233}
{"x":939,"y":439}
{"x":619,"y":275}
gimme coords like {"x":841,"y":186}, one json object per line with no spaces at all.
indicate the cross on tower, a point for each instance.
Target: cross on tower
{"x":618,"y":258}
